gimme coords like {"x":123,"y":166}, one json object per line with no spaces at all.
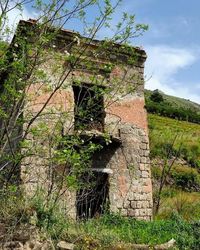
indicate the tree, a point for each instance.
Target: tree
{"x":156,"y":96}
{"x":31,"y":70}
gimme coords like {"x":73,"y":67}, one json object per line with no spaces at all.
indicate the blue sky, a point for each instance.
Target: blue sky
{"x":172,"y":43}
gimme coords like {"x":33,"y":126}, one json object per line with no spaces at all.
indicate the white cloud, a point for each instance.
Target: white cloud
{"x":13,"y":18}
{"x":161,"y":67}
{"x":15,"y":15}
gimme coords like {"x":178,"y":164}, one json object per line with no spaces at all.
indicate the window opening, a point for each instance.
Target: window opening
{"x":89,"y":107}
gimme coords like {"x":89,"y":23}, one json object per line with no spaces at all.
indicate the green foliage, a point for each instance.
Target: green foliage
{"x":163,"y":130}
{"x":191,"y":155}
{"x":175,"y":101}
{"x":184,"y":204}
{"x":156,"y":172}
{"x":156,"y":96}
{"x":185,"y":177}
{"x":113,"y":229}
{"x":156,"y":103}
{"x":75,"y":154}
{"x":108,"y":231}
{"x":178,"y":141}
{"x":13,"y":206}
{"x":169,"y":192}
{"x":48,"y":216}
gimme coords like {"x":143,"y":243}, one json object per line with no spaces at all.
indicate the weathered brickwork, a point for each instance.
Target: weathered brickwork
{"x":125,"y":160}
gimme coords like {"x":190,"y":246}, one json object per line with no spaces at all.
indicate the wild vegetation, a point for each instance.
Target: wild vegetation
{"x":175,"y":157}
{"x":37,"y":52}
{"x":176,"y":108}
{"x":178,"y":214}
{"x":20,"y":68}
{"x":185,"y":134}
{"x":110,"y":231}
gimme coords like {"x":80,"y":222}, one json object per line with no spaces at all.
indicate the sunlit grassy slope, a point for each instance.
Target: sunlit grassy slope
{"x":166,"y":133}
{"x":172,"y":138}
{"x":176,"y":101}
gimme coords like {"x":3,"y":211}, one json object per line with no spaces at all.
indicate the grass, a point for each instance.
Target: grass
{"x":114,"y":229}
{"x":110,"y":231}
{"x":168,"y":134}
{"x":176,"y":219}
{"x":186,"y":178}
{"x":186,"y":204}
{"x":180,"y":176}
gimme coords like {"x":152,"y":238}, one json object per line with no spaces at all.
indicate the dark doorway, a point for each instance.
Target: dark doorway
{"x":93,"y":200}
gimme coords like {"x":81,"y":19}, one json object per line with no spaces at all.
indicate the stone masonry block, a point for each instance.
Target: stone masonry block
{"x":137,"y":197}
{"x":147,"y":189}
{"x":135,"y":182}
{"x":151,"y":204}
{"x":146,"y":153}
{"x":137,"y":212}
{"x":139,"y":204}
{"x":142,"y":218}
{"x":127,"y":204}
{"x":142,"y":197}
{"x":143,"y":159}
{"x":123,"y":212}
{"x":149,"y":196}
{"x":131,"y":196}
{"x":145,"y":174}
{"x":131,"y":212}
{"x":147,"y":182}
{"x":141,"y":133}
{"x":143,"y":212}
{"x":144,"y":204}
{"x":143,"y":146}
{"x":142,"y":166}
{"x":149,"y":212}
{"x":133,"y":204}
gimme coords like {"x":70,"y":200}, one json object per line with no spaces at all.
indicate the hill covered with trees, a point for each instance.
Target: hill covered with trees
{"x":169,"y":106}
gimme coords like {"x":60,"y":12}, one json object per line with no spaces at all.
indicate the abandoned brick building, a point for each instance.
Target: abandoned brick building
{"x":121,"y":167}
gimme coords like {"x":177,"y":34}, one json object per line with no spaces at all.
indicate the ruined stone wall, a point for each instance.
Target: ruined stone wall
{"x":130,"y":189}
{"x":128,"y":165}
{"x":130,"y":183}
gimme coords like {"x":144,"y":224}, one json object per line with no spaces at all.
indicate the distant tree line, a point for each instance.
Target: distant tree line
{"x":157,"y":105}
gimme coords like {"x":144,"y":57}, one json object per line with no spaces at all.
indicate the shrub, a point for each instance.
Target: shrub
{"x":107,"y":231}
{"x":163,"y":132}
{"x":184,"y":204}
{"x":156,"y":172}
{"x":169,"y":192}
{"x":191,"y":155}
{"x":156,"y":105}
{"x":156,"y":96}
{"x":14,"y":209}
{"x":187,"y":178}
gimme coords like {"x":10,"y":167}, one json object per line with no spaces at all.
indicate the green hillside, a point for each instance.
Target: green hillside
{"x":169,"y":106}
{"x":176,"y":101}
{"x":178,"y":141}
{"x":174,"y":133}
{"x":181,"y":137}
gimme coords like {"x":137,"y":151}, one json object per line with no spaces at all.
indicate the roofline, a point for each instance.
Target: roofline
{"x":94,"y":42}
